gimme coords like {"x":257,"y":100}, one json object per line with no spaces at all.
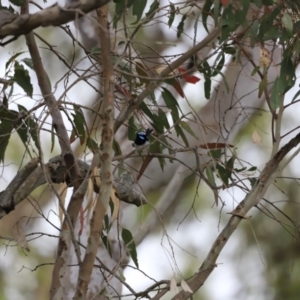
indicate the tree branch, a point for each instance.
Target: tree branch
{"x":268,"y":174}
{"x":104,"y":156}
{"x":128,"y":110}
{"x":52,"y":16}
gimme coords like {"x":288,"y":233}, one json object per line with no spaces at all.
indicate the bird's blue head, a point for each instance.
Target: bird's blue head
{"x":142,"y":137}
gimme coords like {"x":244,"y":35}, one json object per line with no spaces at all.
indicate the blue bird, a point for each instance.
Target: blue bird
{"x":141,"y":138}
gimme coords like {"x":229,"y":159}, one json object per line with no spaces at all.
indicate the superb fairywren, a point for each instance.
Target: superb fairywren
{"x":141,"y":138}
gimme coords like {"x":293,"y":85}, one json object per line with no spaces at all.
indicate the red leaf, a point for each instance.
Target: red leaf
{"x":225,"y":2}
{"x":190,"y":79}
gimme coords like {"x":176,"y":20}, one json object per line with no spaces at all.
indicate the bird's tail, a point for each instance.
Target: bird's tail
{"x":148,"y":131}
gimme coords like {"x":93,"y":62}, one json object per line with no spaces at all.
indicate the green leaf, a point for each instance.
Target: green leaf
{"x":267,"y":22}
{"x":16,"y":2}
{"x":262,"y":86}
{"x":156,"y":147}
{"x":287,"y":22}
{"x":296,"y":95}
{"x":92,"y":145}
{"x":229,"y":164}
{"x":252,"y":169}
{"x":106,"y":243}
{"x":180,"y":132}
{"x":180,"y":26}
{"x":188,"y":129}
{"x":219,"y":63}
{"x":224,"y":174}
{"x":153,"y":9}
{"x":253,"y":181}
{"x":79,"y":122}
{"x":12,"y":59}
{"x":164,"y":120}
{"x":146,"y":110}
{"x":22,"y":78}
{"x":31,"y":126}
{"x":210,"y":176}
{"x":287,"y":71}
{"x":138,"y":9}
{"x":255,"y":70}
{"x":229,"y":50}
{"x":216,"y":11}
{"x":170,"y":101}
{"x":28,"y":62}
{"x":215,"y":154}
{"x":207,"y":87}
{"x":117,"y":148}
{"x":277,"y":94}
{"x":172,"y":14}
{"x":132,"y":129}
{"x":119,"y":9}
{"x":129,"y":242}
{"x":8,"y":120}
{"x":267,"y":2}
{"x":206,"y":12}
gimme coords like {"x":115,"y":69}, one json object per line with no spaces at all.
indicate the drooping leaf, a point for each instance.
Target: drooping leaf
{"x":8,"y":119}
{"x":277,"y":94}
{"x":172,"y":14}
{"x":117,"y":148}
{"x":28,"y":62}
{"x":176,"y":85}
{"x":12,"y":59}
{"x":188,"y":129}
{"x":210,"y":175}
{"x":287,"y":71}
{"x":138,"y":9}
{"x":215,"y":154}
{"x":173,"y":106}
{"x":156,"y":147}
{"x":206,"y":12}
{"x":92,"y":145}
{"x":180,"y":26}
{"x":146,"y":110}
{"x":106,"y":243}
{"x":22,"y":78}
{"x":132,"y":129}
{"x":79,"y":124}
{"x":164,"y":120}
{"x":119,"y":9}
{"x":262,"y":86}
{"x":219,"y":62}
{"x":267,"y":22}
{"x":31,"y":126}
{"x":129,"y":242}
{"x":287,"y":22}
{"x":224,"y":174}
{"x":17,"y":2}
{"x":207,"y":87}
{"x":153,"y":9}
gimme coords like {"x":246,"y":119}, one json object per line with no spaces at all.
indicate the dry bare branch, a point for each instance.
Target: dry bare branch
{"x":52,"y":16}
{"x":267,"y":176}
